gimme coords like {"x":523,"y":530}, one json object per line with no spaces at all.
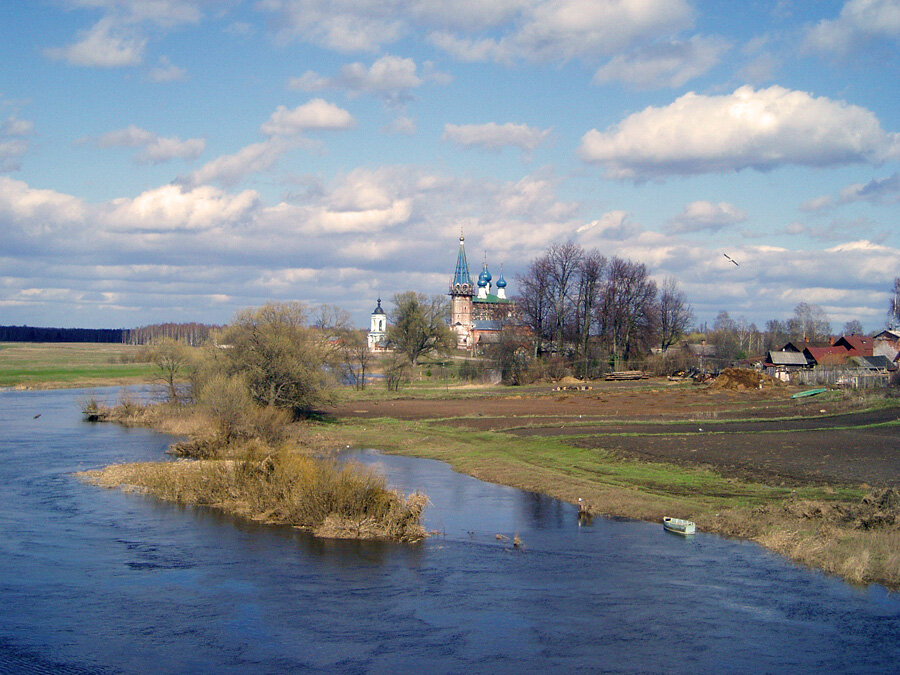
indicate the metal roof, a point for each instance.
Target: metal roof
{"x":787,"y":359}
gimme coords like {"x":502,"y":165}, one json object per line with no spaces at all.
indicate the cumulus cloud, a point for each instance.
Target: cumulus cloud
{"x":118,"y":40}
{"x":230,"y":169}
{"x":105,"y":45}
{"x":876,"y":191}
{"x":858,"y":22}
{"x":316,"y":115}
{"x":172,"y":207}
{"x":14,"y":133}
{"x":663,"y":64}
{"x":157,"y":149}
{"x":611,"y":226}
{"x":391,"y":78}
{"x":760,"y":129}
{"x":341,"y":25}
{"x":166,"y":71}
{"x":560,"y":30}
{"x":284,"y":129}
{"x":706,"y":216}
{"x":493,"y":136}
{"x":38,"y":210}
{"x":528,"y":29}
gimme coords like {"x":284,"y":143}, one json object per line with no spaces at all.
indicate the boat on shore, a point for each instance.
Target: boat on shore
{"x":679,"y":526}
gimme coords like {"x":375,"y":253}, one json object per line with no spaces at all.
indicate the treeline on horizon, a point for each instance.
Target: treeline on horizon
{"x":190,"y":333}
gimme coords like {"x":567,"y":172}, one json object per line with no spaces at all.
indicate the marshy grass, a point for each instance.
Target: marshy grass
{"x":327,"y":498}
{"x":255,"y":467}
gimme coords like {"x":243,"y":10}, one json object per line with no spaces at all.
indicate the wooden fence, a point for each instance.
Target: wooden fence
{"x":854,"y":378}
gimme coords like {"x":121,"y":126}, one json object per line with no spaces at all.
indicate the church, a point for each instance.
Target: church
{"x":476,"y":314}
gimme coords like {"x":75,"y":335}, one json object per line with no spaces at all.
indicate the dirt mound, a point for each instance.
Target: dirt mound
{"x":568,"y":379}
{"x":742,"y":378}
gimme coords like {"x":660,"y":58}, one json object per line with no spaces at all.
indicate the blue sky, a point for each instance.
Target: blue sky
{"x":178,"y":160}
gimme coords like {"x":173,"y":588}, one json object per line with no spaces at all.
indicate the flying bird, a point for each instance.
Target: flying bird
{"x":730,"y":259}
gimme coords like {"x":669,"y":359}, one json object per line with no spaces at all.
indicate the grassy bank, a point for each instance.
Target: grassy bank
{"x":36,"y":365}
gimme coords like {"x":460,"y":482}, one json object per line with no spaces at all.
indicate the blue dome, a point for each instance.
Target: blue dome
{"x":501,"y":282}
{"x":482,"y":280}
{"x":486,"y":274}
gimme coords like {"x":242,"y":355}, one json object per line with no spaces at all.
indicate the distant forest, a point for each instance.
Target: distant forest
{"x":192,"y":333}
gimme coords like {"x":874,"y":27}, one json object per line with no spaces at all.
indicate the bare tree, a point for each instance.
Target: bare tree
{"x":564,"y":262}
{"x":172,"y":359}
{"x":534,"y":300}
{"x":674,"y":314}
{"x":894,"y":307}
{"x":355,"y":357}
{"x":625,"y":314}
{"x":853,"y":327}
{"x":810,"y":322}
{"x":590,"y":279}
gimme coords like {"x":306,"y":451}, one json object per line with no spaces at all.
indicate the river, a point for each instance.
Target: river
{"x":101,"y":581}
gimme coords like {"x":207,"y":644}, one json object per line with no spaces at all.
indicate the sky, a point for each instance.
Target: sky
{"x":180,"y":160}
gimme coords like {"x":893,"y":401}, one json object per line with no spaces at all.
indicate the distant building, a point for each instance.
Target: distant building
{"x":377,"y":329}
{"x":477,"y":315}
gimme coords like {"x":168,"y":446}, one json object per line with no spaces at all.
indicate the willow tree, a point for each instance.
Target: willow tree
{"x":281,"y":359}
{"x":418,"y":325}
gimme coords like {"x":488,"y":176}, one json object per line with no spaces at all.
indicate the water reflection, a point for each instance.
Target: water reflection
{"x":101,"y":581}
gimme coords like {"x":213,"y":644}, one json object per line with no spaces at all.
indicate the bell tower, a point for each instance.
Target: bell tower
{"x":461,"y":292}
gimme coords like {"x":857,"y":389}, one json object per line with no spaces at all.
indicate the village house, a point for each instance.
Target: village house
{"x":847,"y":351}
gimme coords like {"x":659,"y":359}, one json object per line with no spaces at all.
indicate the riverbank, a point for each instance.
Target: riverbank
{"x":753,"y":464}
{"x":813,"y":480}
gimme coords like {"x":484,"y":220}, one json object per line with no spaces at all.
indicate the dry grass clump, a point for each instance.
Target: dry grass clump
{"x":285,"y":488}
{"x":858,"y":542}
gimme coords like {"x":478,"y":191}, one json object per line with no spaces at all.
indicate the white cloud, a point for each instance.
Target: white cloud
{"x":39,"y":210}
{"x":529,"y":29}
{"x":166,"y":71}
{"x":493,"y":136}
{"x":877,"y":190}
{"x":129,"y":137}
{"x":760,"y":129}
{"x":565,"y":29}
{"x":706,"y":216}
{"x":13,"y":143}
{"x":157,"y":149}
{"x":465,"y":14}
{"x":324,"y":221}
{"x":817,"y":203}
{"x":164,"y":149}
{"x":105,"y":45}
{"x":342,"y":25}
{"x":315,"y":115}
{"x":858,"y":22}
{"x":390,"y":78}
{"x":611,"y":226}
{"x":401,"y":126}
{"x":664,"y":64}
{"x":171,"y":208}
{"x":230,"y":169}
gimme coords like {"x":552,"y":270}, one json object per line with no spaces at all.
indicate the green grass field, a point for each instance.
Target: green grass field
{"x":51,"y":365}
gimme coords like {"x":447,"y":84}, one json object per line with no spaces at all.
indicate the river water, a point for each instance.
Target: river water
{"x":100,"y":581}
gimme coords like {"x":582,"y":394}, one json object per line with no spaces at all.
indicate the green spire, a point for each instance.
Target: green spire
{"x":461,"y":281}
